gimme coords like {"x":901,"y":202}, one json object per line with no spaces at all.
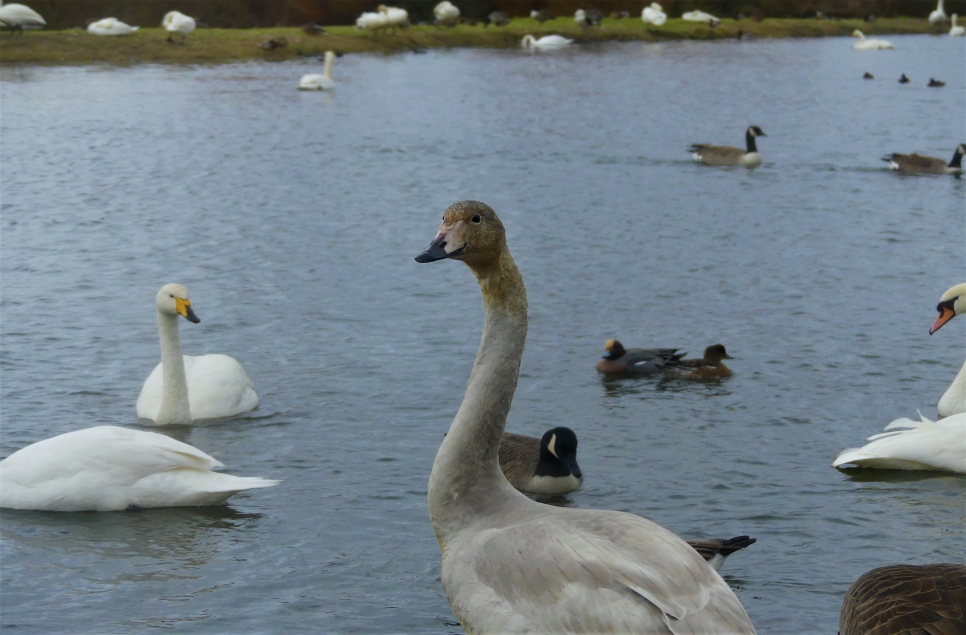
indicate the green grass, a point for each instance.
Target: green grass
{"x":76,"y":46}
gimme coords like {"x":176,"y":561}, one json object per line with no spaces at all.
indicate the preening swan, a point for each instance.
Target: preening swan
{"x":903,"y":599}
{"x":183,"y":388}
{"x":18,"y":16}
{"x":700,"y":16}
{"x":951,"y":304}
{"x":869,"y":45}
{"x":512,"y":565}
{"x":175,"y":22}
{"x":110,"y":26}
{"x":110,"y":469}
{"x":654,"y":14}
{"x":446,"y":13}
{"x":546,"y":43}
{"x":957,"y":31}
{"x":320,"y":82}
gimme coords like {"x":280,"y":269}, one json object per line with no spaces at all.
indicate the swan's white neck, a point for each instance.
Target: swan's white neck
{"x":529,"y":40}
{"x":954,"y":399}
{"x":175,"y":407}
{"x":328,"y":65}
{"x":939,"y":7}
{"x":467,"y":482}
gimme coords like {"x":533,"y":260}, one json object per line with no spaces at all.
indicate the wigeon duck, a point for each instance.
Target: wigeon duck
{"x":635,"y":361}
{"x":710,"y":366}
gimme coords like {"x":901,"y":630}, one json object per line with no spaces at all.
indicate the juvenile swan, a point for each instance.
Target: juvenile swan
{"x":111,"y":469}
{"x":512,"y":565}
{"x":183,"y":388}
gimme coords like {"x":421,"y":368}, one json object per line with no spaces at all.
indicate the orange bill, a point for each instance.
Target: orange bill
{"x":945,"y":315}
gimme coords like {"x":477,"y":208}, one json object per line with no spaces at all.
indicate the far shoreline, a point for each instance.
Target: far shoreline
{"x":216,"y":46}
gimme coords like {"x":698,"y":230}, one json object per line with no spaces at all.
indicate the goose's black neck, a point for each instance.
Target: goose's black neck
{"x":957,"y":161}
{"x":750,"y":142}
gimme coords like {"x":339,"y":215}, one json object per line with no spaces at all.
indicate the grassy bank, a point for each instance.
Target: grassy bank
{"x":229,"y":45}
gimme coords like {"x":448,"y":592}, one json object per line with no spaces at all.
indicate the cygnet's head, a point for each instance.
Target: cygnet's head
{"x":755,"y":131}
{"x":613,"y":350}
{"x":471,"y":231}
{"x":173,"y":300}
{"x":715,"y":353}
{"x":951,"y":304}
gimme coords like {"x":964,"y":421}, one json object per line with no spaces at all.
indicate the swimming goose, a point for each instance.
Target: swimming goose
{"x":903,"y":79}
{"x":183,"y":388}
{"x":935,"y":446}
{"x":710,"y":366}
{"x":926,"y":165}
{"x":700,"y":16}
{"x":957,"y":31}
{"x":110,"y":26}
{"x":869,"y":45}
{"x":937,"y":15}
{"x":951,"y":304}
{"x":546,"y":43}
{"x":320,"y":82}
{"x":715,"y":552}
{"x":108,"y":468}
{"x":868,"y":76}
{"x":727,"y":155}
{"x":905,"y":599}
{"x":446,"y":13}
{"x":547,"y":465}
{"x":935,"y":83}
{"x":654,"y":14}
{"x":635,"y":361}
{"x":17,"y":16}
{"x":513,"y":565}
{"x":176,"y":22}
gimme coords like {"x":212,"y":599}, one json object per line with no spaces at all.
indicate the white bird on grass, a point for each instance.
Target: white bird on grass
{"x":17,"y":16}
{"x":175,"y":22}
{"x":110,"y":26}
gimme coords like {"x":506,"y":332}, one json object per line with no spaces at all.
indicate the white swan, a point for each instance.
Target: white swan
{"x":957,"y":31}
{"x":546,"y":43}
{"x":110,"y":26}
{"x":654,"y":14}
{"x":108,"y":468}
{"x":183,"y":388}
{"x":320,"y":82}
{"x":512,"y":565}
{"x":937,"y":15}
{"x":446,"y":13}
{"x":951,"y":304}
{"x":175,"y":22}
{"x":869,"y":45}
{"x":18,"y":16}
{"x":700,"y":16}
{"x":914,"y":445}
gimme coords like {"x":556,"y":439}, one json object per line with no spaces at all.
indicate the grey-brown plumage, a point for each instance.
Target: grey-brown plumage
{"x":917,"y":164}
{"x":906,"y":600}
{"x":542,"y":15}
{"x":727,"y":155}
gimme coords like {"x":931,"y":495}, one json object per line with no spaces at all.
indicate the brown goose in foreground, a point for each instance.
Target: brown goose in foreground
{"x":905,"y":599}
{"x":926,"y":165}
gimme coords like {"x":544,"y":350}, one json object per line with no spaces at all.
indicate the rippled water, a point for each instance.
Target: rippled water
{"x":293,"y":219}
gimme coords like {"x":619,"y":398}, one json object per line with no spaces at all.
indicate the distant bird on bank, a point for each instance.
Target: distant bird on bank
{"x":903,"y":79}
{"x":274,"y":43}
{"x":497,"y":18}
{"x":727,"y":155}
{"x":310,"y":28}
{"x":957,"y":31}
{"x":446,"y":14}
{"x":654,"y":14}
{"x":175,"y":22}
{"x":547,"y":465}
{"x":635,"y":361}
{"x":323,"y":81}
{"x":868,"y":76}
{"x":906,"y":599}
{"x":869,"y":45}
{"x":546,"y":43}
{"x":110,"y":26}
{"x":937,"y":15}
{"x":17,"y":16}
{"x":935,"y":83}
{"x":926,"y":165}
{"x":542,"y":15}
{"x":701,"y":16}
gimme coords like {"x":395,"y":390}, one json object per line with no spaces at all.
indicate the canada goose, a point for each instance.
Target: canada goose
{"x":17,"y":16}
{"x":498,"y":18}
{"x":726,"y":155}
{"x":700,"y":16}
{"x":868,"y":76}
{"x":935,"y":83}
{"x":175,"y":22}
{"x":546,"y":43}
{"x":315,"y":81}
{"x":951,"y":304}
{"x":869,"y":45}
{"x":635,"y":361}
{"x":905,"y":599}
{"x":715,"y":552}
{"x":446,"y":14}
{"x":183,"y":388}
{"x":937,"y":15}
{"x":957,"y":31}
{"x":110,"y":26}
{"x":542,"y":15}
{"x":108,"y":468}
{"x":510,"y":564}
{"x":547,"y":465}
{"x":926,"y":165}
{"x":654,"y":14}
{"x":710,"y":366}
{"x":274,"y":43}
{"x":903,"y":79}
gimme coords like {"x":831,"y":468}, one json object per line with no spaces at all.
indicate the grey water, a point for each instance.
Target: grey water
{"x":293,"y":219}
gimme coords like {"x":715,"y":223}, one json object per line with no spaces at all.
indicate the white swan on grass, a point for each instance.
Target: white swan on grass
{"x":320,"y":82}
{"x":654,"y":14}
{"x":869,"y":45}
{"x":700,"y":16}
{"x":512,"y":565}
{"x":446,"y":13}
{"x":546,"y":43}
{"x":17,"y":16}
{"x":937,"y":15}
{"x":957,"y":31}
{"x":183,"y":388}
{"x":108,"y":468}
{"x":110,"y":26}
{"x":176,"y":22}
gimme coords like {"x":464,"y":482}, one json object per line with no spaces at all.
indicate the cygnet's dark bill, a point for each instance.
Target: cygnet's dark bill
{"x":437,"y":251}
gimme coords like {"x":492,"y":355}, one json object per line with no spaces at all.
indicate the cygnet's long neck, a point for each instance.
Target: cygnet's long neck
{"x":467,"y":482}
{"x":175,"y":407}
{"x":954,"y":400}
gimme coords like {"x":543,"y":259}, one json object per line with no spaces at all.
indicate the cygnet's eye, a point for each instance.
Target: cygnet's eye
{"x":170,"y":295}
{"x":476,"y":219}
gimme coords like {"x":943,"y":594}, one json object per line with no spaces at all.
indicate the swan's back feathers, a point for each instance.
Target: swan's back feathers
{"x":914,"y":445}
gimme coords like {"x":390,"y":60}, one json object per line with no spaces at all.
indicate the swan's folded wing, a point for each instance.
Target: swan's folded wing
{"x":603,"y":572}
